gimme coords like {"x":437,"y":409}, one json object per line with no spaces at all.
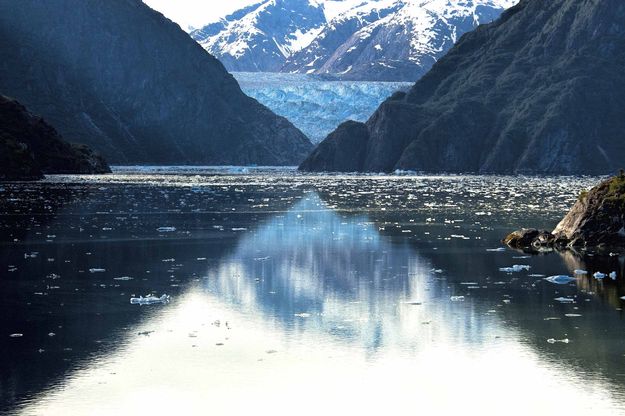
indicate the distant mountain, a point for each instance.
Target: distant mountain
{"x":386,"y":40}
{"x":131,"y":84}
{"x":262,"y":36}
{"x":541,"y":90}
{"x":29,"y":147}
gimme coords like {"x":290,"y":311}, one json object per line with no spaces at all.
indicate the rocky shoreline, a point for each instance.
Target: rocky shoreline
{"x":596,"y":221}
{"x":30,"y":147}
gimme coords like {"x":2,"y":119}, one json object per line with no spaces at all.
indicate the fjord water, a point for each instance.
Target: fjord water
{"x":299,"y":294}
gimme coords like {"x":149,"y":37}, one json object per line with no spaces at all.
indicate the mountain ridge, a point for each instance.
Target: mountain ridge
{"x":540,"y":91}
{"x":30,"y":147}
{"x":121,"y":78}
{"x":373,"y":40}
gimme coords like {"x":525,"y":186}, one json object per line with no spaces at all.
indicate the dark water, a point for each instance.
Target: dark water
{"x":321,"y":294}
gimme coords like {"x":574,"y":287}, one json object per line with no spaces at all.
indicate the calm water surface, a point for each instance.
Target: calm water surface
{"x":297,"y":294}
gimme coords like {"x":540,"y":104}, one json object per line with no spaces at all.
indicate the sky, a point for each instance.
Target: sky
{"x":197,"y":13}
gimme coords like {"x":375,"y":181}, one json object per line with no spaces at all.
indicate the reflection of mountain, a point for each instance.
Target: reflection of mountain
{"x":350,"y":284}
{"x":73,"y":228}
{"x":338,"y":270}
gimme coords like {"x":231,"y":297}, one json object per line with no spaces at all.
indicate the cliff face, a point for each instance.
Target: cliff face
{"x":541,"y":90}
{"x":598,"y":216}
{"x":29,"y":147}
{"x":121,"y":78}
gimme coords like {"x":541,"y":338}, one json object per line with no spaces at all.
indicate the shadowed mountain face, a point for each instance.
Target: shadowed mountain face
{"x":30,"y":147}
{"x":541,"y":90}
{"x":121,"y":78}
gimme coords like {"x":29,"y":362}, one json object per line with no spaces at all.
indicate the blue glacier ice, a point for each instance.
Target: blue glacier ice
{"x":317,"y":106}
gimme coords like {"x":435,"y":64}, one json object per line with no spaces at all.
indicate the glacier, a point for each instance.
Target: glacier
{"x":316,"y":105}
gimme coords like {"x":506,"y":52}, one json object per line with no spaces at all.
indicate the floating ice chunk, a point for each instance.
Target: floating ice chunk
{"x":580,"y":271}
{"x":599,"y":275}
{"x":613,"y":275}
{"x":560,"y":279}
{"x":302,"y":315}
{"x":536,"y":275}
{"x":16,"y":335}
{"x":553,"y":340}
{"x":166,"y":229}
{"x":32,"y":255}
{"x":149,"y":300}
{"x":436,"y":271}
{"x":515,"y":268}
{"x":457,"y":298}
{"x":95,"y":270}
{"x":562,"y":299}
{"x":496,"y":250}
{"x":123,"y":278}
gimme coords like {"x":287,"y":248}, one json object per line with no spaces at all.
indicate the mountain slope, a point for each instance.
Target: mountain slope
{"x":376,"y":40}
{"x":541,"y":90}
{"x":121,"y":78}
{"x":392,"y":39}
{"x":260,"y":37}
{"x":30,"y":147}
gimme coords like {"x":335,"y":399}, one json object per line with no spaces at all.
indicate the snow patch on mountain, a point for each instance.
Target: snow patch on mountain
{"x":351,"y":39}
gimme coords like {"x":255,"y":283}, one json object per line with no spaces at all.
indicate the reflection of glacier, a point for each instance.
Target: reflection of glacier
{"x":314,"y":269}
{"x":315,"y":106}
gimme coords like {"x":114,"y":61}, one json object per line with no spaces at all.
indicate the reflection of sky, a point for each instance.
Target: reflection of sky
{"x":357,"y":346}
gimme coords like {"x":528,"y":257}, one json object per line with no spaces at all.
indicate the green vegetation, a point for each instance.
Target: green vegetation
{"x":582,"y":195}
{"x":615,"y":193}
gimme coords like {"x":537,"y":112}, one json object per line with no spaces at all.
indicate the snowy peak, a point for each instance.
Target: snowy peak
{"x":392,"y":39}
{"x":262,"y":36}
{"x":388,"y":40}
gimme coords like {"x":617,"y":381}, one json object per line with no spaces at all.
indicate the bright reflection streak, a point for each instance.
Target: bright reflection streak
{"x":312,"y":373}
{"x":326,"y":328}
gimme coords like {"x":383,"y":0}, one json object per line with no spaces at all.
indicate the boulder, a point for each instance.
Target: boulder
{"x":596,"y":220}
{"x":529,"y":238}
{"x":598,"y":216}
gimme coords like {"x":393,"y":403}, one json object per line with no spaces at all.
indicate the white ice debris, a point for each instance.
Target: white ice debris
{"x":560,"y":279}
{"x":166,"y":229}
{"x":553,"y":340}
{"x":563,"y":299}
{"x":515,"y":268}
{"x":149,"y":300}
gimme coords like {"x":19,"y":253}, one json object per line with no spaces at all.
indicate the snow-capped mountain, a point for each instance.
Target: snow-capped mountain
{"x":396,"y":40}
{"x":260,"y":37}
{"x":392,"y":39}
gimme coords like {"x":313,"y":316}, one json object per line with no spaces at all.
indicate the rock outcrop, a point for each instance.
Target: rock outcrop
{"x":598,"y":216}
{"x":121,"y":78}
{"x":343,"y":149}
{"x":29,"y":147}
{"x":539,"y":91}
{"x":596,"y":219}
